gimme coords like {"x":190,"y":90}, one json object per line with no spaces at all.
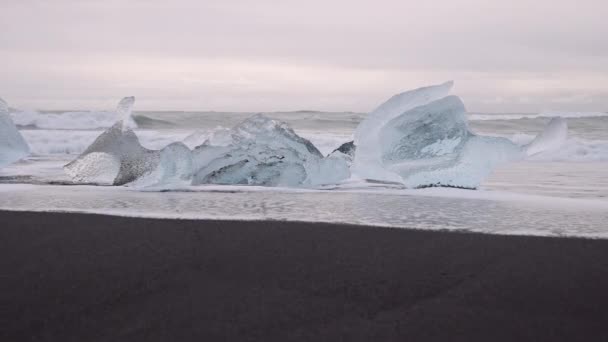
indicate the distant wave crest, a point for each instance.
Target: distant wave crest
{"x":68,"y":120}
{"x":571,"y":115}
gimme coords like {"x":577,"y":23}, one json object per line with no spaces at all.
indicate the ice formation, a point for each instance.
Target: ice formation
{"x":332,"y":169}
{"x":466,"y":168}
{"x":258,"y":151}
{"x":336,"y":166}
{"x":220,"y":136}
{"x":263,"y":151}
{"x":124,"y":112}
{"x":551,"y":138}
{"x":368,"y":159}
{"x":348,"y":149}
{"x":421,"y":138}
{"x":116,"y":156}
{"x":12,"y":145}
{"x":173,"y":169}
{"x":194,"y":139}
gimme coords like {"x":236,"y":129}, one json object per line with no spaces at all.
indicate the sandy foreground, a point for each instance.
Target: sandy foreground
{"x":80,"y":277}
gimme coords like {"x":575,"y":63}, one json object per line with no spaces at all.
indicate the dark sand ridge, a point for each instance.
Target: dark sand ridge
{"x":78,"y":277}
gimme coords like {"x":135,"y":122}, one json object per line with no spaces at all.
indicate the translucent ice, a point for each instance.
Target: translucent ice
{"x":368,"y":159}
{"x":261,"y":151}
{"x":348,"y":149}
{"x":194,"y":139}
{"x":220,"y":136}
{"x":330,"y":170}
{"x":124,"y":111}
{"x":336,"y":166}
{"x":274,"y":134}
{"x":418,"y":138}
{"x":427,"y":144}
{"x":173,"y":169}
{"x":551,"y":138}
{"x":476,"y":160}
{"x":116,"y":156}
{"x":12,"y":145}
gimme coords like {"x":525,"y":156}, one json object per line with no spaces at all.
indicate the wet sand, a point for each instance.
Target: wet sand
{"x":78,"y":277}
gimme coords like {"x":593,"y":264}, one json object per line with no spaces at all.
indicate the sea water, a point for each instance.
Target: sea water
{"x":560,"y":192}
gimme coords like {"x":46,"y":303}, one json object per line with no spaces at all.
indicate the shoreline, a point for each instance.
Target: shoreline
{"x":83,"y":277}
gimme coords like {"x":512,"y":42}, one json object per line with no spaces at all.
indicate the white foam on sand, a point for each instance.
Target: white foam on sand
{"x":435,"y":208}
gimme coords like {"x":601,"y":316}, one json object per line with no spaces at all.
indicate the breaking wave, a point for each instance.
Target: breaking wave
{"x":572,"y":150}
{"x":45,"y":142}
{"x":68,"y":120}
{"x":567,"y":115}
{"x":86,"y":120}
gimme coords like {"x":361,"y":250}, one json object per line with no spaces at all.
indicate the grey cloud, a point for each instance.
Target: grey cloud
{"x":88,"y":46}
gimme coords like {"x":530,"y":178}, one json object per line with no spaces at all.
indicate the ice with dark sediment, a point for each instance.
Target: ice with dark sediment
{"x":12,"y":145}
{"x":116,"y":157}
{"x":347,"y":149}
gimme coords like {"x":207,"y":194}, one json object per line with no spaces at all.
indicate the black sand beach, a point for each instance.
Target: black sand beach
{"x":74,"y":277}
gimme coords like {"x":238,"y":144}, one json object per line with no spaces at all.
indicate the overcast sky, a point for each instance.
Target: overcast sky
{"x":259,"y":55}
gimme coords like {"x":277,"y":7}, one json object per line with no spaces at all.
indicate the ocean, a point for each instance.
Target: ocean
{"x":558,"y":192}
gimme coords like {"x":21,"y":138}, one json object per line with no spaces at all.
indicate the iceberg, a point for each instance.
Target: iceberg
{"x":554,"y":136}
{"x":258,"y":151}
{"x":116,"y":157}
{"x":347,"y":149}
{"x":12,"y":145}
{"x":421,"y":139}
{"x":335,"y":167}
{"x":332,"y":169}
{"x":466,"y":169}
{"x":368,"y":160}
{"x":173,"y":169}
{"x":124,"y":112}
{"x":220,"y":136}
{"x":195,"y":139}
